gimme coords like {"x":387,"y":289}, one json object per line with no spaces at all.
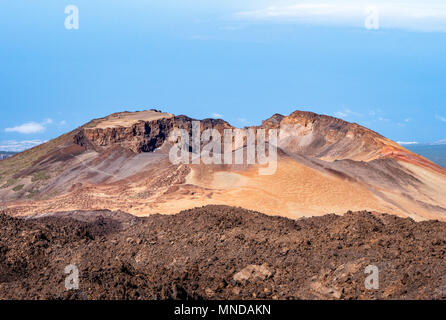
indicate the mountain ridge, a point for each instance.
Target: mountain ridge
{"x":120,"y":162}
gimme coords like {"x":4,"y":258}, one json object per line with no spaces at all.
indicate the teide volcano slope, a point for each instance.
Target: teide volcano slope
{"x":121,"y":162}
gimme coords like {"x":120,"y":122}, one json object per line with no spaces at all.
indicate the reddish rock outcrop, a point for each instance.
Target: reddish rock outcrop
{"x":142,"y":136}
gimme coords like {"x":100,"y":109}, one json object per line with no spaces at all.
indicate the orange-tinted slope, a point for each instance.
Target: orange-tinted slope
{"x":121,"y":162}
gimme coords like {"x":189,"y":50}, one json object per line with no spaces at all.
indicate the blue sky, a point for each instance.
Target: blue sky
{"x":242,"y":60}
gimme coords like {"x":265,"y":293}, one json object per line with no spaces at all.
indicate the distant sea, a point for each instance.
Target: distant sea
{"x":435,"y":153}
{"x":6,"y":154}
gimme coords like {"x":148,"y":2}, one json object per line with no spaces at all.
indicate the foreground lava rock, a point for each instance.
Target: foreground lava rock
{"x":219,"y":252}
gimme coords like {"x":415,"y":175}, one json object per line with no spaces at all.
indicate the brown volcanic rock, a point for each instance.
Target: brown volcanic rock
{"x":140,"y":135}
{"x":329,"y":138}
{"x":219,"y":252}
{"x":273,"y":122}
{"x":139,"y":132}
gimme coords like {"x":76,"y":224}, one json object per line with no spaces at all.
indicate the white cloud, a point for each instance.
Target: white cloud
{"x":441,"y":118}
{"x":230,"y":28}
{"x":27,"y":128}
{"x":30,"y":127}
{"x":404,"y":143}
{"x":442,"y":141}
{"x":62,"y":123}
{"x":216,"y":115}
{"x":429,"y":15}
{"x":17,"y":146}
{"x":345,"y":113}
{"x":340,"y":114}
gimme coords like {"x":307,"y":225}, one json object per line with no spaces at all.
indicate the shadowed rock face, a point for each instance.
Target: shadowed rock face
{"x":219,"y":252}
{"x":141,"y":135}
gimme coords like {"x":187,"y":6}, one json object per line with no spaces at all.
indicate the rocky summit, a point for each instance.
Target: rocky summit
{"x":121,"y":162}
